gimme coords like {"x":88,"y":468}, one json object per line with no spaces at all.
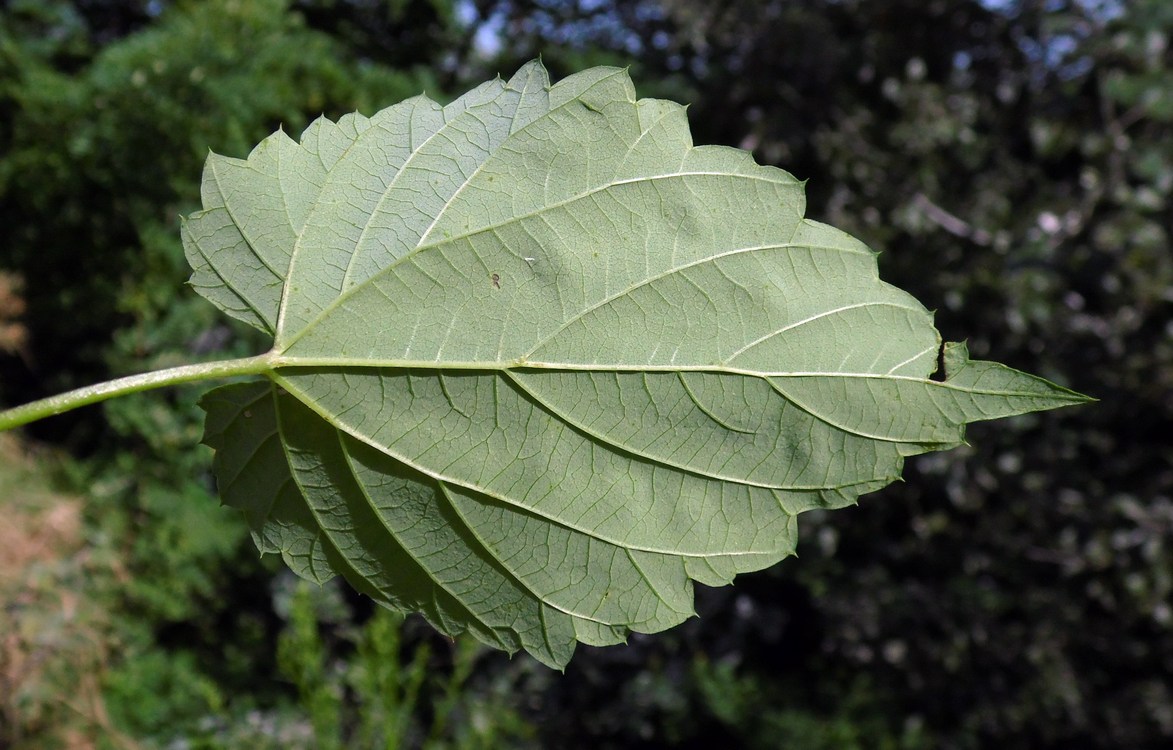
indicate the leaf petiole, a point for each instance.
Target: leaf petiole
{"x":146,"y":381}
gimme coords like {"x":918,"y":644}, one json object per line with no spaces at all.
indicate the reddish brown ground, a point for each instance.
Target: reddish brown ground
{"x":53,"y":639}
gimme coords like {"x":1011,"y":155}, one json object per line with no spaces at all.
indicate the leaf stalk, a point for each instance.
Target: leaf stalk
{"x":92,"y":394}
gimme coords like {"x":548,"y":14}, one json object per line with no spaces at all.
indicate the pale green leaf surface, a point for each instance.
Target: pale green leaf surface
{"x":240,"y":245}
{"x":540,"y":363}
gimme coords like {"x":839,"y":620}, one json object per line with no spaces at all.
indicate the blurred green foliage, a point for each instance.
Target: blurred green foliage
{"x":104,"y":146}
{"x":388,"y":694}
{"x":1013,"y":161}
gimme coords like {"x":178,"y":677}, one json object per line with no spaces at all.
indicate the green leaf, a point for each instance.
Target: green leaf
{"x":540,"y":363}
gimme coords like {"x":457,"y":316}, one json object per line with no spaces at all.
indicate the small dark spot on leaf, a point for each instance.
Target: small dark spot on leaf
{"x":496,"y":279}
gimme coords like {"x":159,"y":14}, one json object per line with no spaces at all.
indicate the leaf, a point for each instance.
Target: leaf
{"x":540,"y":363}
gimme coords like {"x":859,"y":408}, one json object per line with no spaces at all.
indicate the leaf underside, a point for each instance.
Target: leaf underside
{"x":540,"y":363}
